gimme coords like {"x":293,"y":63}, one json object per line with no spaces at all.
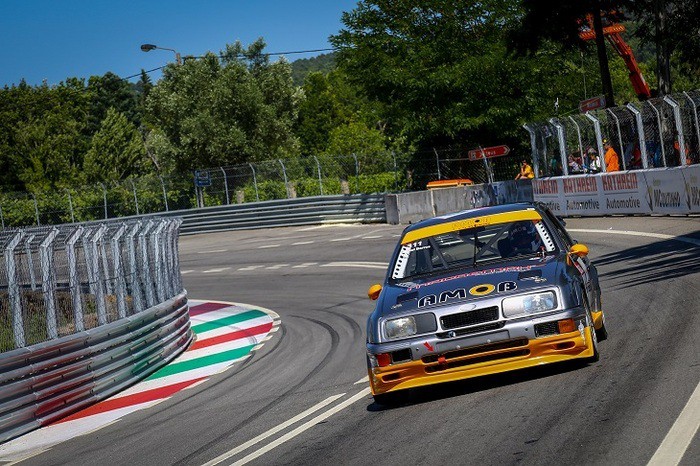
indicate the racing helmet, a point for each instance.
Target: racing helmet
{"x":523,"y":236}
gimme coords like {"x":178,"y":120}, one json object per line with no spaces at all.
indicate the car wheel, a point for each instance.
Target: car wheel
{"x":602,"y":333}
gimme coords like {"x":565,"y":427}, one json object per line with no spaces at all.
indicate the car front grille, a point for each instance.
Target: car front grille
{"x":547,"y":328}
{"x":475,"y":317}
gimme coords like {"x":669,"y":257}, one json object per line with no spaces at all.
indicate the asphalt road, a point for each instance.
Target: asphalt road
{"x":617,"y":411}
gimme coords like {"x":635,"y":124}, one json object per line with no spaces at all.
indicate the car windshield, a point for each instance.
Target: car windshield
{"x":471,"y":247}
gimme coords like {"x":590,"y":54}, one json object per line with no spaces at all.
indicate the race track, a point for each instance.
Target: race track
{"x":301,"y":399}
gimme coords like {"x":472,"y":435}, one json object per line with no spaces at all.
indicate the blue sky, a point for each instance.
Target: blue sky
{"x":53,"y":40}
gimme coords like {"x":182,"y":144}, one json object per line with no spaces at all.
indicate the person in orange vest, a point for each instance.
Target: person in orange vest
{"x":525,"y":171}
{"x":612,"y":163}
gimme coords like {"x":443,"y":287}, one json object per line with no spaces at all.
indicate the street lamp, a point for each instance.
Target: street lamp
{"x":149,"y":47}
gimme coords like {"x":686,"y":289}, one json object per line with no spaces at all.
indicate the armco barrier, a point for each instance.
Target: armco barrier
{"x":45,"y":382}
{"x":663,"y":191}
{"x":365,"y":208}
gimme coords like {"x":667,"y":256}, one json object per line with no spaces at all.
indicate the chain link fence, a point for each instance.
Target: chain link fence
{"x":56,"y":281}
{"x":660,"y":132}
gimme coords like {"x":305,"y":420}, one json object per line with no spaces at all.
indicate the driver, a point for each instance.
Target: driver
{"x":524,"y":238}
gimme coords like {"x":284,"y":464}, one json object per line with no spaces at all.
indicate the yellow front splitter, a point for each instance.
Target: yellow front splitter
{"x":536,"y":352}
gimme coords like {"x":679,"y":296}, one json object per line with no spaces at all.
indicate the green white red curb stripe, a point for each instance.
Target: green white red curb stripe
{"x":225,"y":334}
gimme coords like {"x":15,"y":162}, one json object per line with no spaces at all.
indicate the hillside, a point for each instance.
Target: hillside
{"x":300,"y":68}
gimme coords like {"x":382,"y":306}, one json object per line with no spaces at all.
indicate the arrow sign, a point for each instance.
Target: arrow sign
{"x":488,"y":152}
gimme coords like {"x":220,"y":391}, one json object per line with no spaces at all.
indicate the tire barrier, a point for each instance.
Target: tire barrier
{"x":45,"y":382}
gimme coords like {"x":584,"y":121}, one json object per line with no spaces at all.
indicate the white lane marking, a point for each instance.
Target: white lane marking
{"x":678,"y":439}
{"x":340,"y":239}
{"x":372,"y":237}
{"x":273,"y":431}
{"x":251,"y":267}
{"x":361,"y":265}
{"x":299,"y":243}
{"x":220,"y":269}
{"x":276,"y":266}
{"x":304,"y":265}
{"x":302,"y":428}
{"x":683,"y":239}
{"x":364,"y":379}
{"x":185,"y":272}
{"x":267,"y":246}
{"x":212,"y":251}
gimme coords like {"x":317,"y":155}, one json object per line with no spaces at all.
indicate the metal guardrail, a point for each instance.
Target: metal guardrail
{"x":45,"y":382}
{"x":286,"y":212}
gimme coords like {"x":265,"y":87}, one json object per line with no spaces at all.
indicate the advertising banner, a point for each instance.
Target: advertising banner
{"x":691,"y":176}
{"x":582,"y":195}
{"x":665,"y":191}
{"x":624,"y":193}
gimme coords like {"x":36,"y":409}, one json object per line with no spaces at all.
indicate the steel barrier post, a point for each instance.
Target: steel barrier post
{"x":105,"y":266}
{"x":136,"y":199}
{"x":255,"y":183}
{"x":619,"y":136}
{"x":73,"y":279}
{"x":640,"y":133}
{"x":225,"y":184}
{"x":695,"y":119}
{"x":357,"y":172}
{"x":679,"y":128}
{"x":562,"y":145}
{"x":99,"y":281}
{"x":599,"y":141}
{"x":47,"y":285}
{"x":437,"y":162}
{"x":284,"y":173}
{"x":145,"y":264}
{"x":661,"y":132}
{"x":165,"y":194}
{"x":136,"y":292}
{"x":13,"y":289}
{"x":396,"y":170}
{"x":533,"y":146}
{"x":158,"y":260}
{"x":30,"y":260}
{"x":320,"y":183}
{"x":578,"y":133}
{"x":120,"y":288}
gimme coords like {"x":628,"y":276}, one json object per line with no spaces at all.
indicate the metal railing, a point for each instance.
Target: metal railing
{"x":657,"y":133}
{"x":57,"y":281}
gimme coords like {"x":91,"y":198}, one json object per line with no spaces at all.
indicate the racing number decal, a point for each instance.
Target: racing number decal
{"x":482,"y":290}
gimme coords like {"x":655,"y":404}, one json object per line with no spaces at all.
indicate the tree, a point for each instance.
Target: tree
{"x":227,"y":109}
{"x":116,"y":151}
{"x":110,"y":91}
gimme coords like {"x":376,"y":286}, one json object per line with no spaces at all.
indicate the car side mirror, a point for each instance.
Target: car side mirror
{"x":580,"y":250}
{"x":374,"y":291}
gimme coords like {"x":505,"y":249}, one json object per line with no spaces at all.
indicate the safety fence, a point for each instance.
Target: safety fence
{"x":656,"y":133}
{"x":253,"y":182}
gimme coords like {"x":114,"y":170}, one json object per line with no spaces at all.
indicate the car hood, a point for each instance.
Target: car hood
{"x":469,"y":284}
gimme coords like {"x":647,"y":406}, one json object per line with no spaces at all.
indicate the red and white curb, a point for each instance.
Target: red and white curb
{"x":225,"y":334}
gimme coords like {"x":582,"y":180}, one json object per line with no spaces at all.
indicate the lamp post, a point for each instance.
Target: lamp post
{"x":149,"y":47}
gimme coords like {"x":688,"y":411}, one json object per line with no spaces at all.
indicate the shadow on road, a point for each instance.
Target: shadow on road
{"x":650,"y":263}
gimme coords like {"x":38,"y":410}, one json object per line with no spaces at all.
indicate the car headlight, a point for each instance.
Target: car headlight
{"x":529,"y":304}
{"x":400,"y":328}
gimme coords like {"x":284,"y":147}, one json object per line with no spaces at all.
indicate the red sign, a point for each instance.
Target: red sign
{"x":488,"y":152}
{"x":592,"y":103}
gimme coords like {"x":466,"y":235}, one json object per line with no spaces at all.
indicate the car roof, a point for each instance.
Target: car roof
{"x":481,"y":212}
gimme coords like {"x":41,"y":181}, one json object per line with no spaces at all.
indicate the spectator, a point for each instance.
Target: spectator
{"x":612,"y":163}
{"x":636,"y":161}
{"x":593,"y":162}
{"x":574,"y":167}
{"x":525,"y":171}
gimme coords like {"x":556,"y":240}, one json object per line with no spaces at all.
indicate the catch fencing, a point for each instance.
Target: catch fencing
{"x":56,"y":281}
{"x":656,"y":133}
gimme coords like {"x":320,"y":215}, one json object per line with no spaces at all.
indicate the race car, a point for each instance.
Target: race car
{"x":480,"y":292}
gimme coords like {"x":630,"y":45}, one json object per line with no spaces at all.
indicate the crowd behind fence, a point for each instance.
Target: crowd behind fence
{"x":56,"y":281}
{"x":656,"y":133}
{"x":251,"y":182}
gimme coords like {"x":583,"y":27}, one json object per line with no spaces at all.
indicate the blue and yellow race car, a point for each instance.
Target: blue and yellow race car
{"x":480,"y":292}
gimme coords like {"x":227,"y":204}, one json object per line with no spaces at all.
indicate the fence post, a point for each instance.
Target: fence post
{"x":578,"y":133}
{"x":619,"y":137}
{"x":2,"y":218}
{"x":136,"y":292}
{"x":99,"y":281}
{"x":661,"y":131}
{"x":396,"y":170}
{"x":30,"y":260}
{"x":120,"y":288}
{"x":225,"y":184}
{"x":158,"y":260}
{"x":533,"y":146}
{"x":13,"y":290}
{"x":136,"y":199}
{"x":679,"y":128}
{"x":320,"y":183}
{"x":176,"y":257}
{"x":695,"y":119}
{"x":104,"y":198}
{"x":437,"y":162}
{"x":36,"y":209}
{"x":284,"y":172}
{"x":105,"y":267}
{"x":599,"y":141}
{"x":70,"y":205}
{"x":165,"y":194}
{"x":255,"y":183}
{"x":357,"y":173}
{"x":145,"y":264}
{"x":73,"y":280}
{"x":640,"y":132}
{"x":47,"y":285}
{"x":562,"y":145}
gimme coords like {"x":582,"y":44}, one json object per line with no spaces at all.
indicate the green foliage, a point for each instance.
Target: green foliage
{"x":324,"y":63}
